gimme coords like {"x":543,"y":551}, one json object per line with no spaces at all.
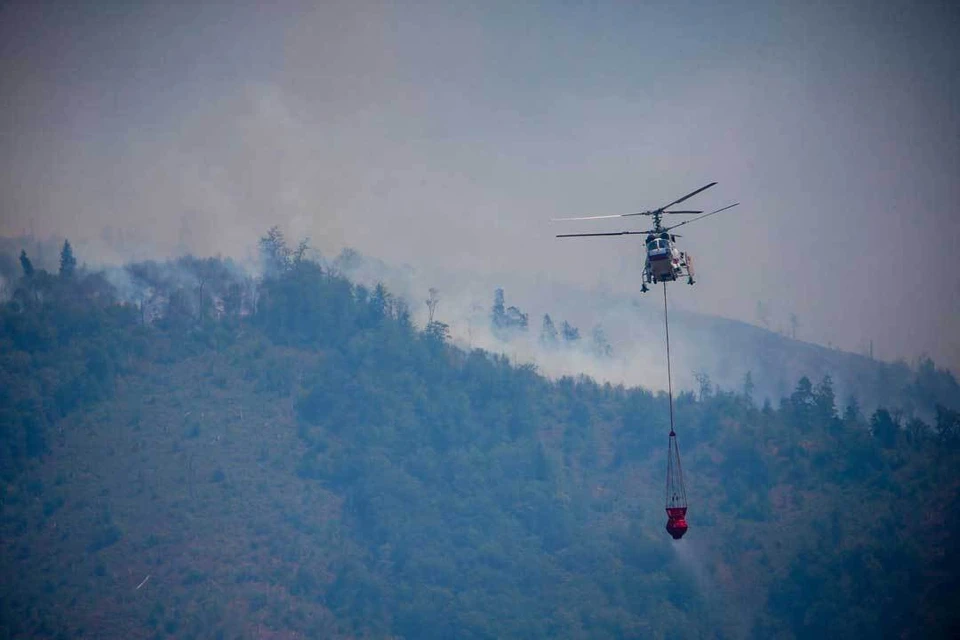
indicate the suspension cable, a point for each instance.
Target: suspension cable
{"x":666,"y":324}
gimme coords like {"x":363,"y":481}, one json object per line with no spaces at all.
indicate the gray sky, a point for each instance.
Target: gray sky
{"x":447,"y":135}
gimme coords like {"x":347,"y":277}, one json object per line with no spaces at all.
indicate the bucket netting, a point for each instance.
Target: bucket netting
{"x":676,"y":494}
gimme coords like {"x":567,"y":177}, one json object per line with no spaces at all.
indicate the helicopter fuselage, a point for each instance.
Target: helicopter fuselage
{"x":665,"y":263}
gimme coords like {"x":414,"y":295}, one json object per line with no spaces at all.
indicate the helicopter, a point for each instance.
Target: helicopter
{"x":665,"y":262}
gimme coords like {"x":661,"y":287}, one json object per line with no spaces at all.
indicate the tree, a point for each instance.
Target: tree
{"x":432,"y":303}
{"x":498,"y":313}
{"x":748,"y":386}
{"x":802,"y":403}
{"x":824,"y":400}
{"x":26,"y":264}
{"x":794,"y":323}
{"x":274,"y":252}
{"x":948,"y":426}
{"x":569,"y":333}
{"x":883,"y":428}
{"x":380,"y":302}
{"x":401,"y":313}
{"x":548,"y":333}
{"x":851,"y":414}
{"x":299,"y":255}
{"x":516,"y":319}
{"x":68,"y":263}
{"x":704,"y":385}
{"x":438,"y":331}
{"x":917,"y":431}
{"x":233,"y":301}
{"x":506,"y":321}
{"x":600,"y":345}
{"x":348,"y":260}
{"x":178,"y":314}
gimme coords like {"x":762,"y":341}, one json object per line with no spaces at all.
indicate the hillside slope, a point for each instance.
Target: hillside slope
{"x":301,"y":461}
{"x":721,"y":349}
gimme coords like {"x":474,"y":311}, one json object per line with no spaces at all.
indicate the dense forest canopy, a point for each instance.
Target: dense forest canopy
{"x":189,"y":451}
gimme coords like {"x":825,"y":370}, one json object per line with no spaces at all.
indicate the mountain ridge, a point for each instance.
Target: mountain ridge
{"x":317,"y":465}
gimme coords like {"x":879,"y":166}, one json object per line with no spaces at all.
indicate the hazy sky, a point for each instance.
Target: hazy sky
{"x":447,"y":135}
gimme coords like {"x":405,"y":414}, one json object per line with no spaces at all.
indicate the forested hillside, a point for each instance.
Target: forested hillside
{"x":618,"y":338}
{"x":291,"y":456}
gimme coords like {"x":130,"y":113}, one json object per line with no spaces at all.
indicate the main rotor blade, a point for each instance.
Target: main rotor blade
{"x":642,"y":213}
{"x":729,"y":206}
{"x":689,"y":195}
{"x":616,"y":215}
{"x":594,"y":235}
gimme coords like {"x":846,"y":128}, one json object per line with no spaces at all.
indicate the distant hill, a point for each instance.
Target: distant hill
{"x":296,"y":457}
{"x":721,"y":349}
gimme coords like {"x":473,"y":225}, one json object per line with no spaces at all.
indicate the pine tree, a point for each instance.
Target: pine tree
{"x":506,"y":322}
{"x":380,"y":301}
{"x":600,"y":345}
{"x":705,"y":386}
{"x":948,"y":426}
{"x":569,"y":332}
{"x":26,"y":264}
{"x":68,"y":263}
{"x":437,"y":331}
{"x":851,"y":414}
{"x":802,"y":403}
{"x":516,"y":319}
{"x":884,"y":428}
{"x":498,"y":313}
{"x":276,"y":255}
{"x":748,"y":386}
{"x":548,"y":332}
{"x":432,"y":303}
{"x":824,"y":400}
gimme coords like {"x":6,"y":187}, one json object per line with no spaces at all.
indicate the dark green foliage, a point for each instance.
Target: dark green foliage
{"x":548,"y":333}
{"x":104,"y":537}
{"x":824,"y":402}
{"x":569,"y":333}
{"x":851,"y":414}
{"x":600,"y":346}
{"x":704,"y":385}
{"x":748,"y":386}
{"x":276,"y":255}
{"x":948,"y":427}
{"x":26,"y":264}
{"x":68,"y":263}
{"x":883,"y":428}
{"x":802,"y":405}
{"x":297,"y":459}
{"x":61,"y":346}
{"x":498,"y":313}
{"x":438,"y":332}
{"x":506,"y":322}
